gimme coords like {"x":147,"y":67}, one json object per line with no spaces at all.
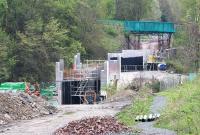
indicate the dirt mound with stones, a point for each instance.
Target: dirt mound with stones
{"x":93,"y":126}
{"x":21,"y":106}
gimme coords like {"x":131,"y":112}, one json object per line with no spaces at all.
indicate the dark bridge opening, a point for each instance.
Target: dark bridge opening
{"x":132,"y":64}
{"x":70,"y":88}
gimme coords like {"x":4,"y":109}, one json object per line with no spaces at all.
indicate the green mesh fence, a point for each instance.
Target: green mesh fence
{"x":47,"y":90}
{"x":12,"y":86}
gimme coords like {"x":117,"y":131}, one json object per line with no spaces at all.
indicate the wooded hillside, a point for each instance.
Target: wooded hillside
{"x":35,"y":34}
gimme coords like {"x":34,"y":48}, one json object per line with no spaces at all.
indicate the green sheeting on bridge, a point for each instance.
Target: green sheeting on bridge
{"x":140,"y":27}
{"x":149,"y":27}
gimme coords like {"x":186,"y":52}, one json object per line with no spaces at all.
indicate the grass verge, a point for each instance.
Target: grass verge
{"x":110,"y":90}
{"x":183,"y":111}
{"x":140,"y":106}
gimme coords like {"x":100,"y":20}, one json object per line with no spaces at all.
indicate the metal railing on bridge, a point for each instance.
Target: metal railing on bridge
{"x":134,"y":68}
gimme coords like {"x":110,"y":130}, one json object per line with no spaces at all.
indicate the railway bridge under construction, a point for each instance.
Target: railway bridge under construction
{"x":85,"y":81}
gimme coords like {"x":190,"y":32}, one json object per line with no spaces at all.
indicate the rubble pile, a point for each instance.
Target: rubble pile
{"x":21,"y":106}
{"x":93,"y":126}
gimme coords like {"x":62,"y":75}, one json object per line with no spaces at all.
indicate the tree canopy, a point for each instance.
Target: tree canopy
{"x":133,"y":9}
{"x":34,"y":34}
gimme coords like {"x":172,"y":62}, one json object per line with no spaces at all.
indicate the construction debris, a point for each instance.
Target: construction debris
{"x":93,"y":126}
{"x":21,"y":106}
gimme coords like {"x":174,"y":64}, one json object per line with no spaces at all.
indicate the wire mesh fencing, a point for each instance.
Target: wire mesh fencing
{"x":170,"y":82}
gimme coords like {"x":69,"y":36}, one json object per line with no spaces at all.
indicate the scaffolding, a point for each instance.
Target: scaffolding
{"x":80,"y":89}
{"x":83,"y":81}
{"x":93,"y":63}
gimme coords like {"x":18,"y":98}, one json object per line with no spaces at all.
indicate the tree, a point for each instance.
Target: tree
{"x":192,"y":16}
{"x":40,"y":38}
{"x":167,"y":13}
{"x":37,"y":33}
{"x":6,"y":62}
{"x":40,"y":47}
{"x":133,"y":9}
{"x":187,"y":35}
{"x":88,"y":31}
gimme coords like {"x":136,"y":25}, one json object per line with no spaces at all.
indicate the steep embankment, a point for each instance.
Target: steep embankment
{"x":183,"y":110}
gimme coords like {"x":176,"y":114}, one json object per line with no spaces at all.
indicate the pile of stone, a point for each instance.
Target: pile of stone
{"x":21,"y":106}
{"x":93,"y":126}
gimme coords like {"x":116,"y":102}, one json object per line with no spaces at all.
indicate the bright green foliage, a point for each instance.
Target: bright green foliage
{"x":183,"y":110}
{"x":36,"y":33}
{"x":112,"y":40}
{"x":186,"y":14}
{"x":176,"y":65}
{"x":106,"y":8}
{"x":133,"y":9}
{"x":42,"y":32}
{"x":180,"y":36}
{"x":140,"y":106}
{"x":192,"y":12}
{"x":170,"y":10}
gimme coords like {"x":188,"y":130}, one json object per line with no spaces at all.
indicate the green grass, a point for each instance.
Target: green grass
{"x":110,"y":89}
{"x":140,"y":106}
{"x":183,"y":111}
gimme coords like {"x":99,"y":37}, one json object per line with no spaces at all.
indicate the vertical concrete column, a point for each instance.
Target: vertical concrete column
{"x":105,"y":75}
{"x":78,"y":58}
{"x":119,"y":66}
{"x":102,"y":79}
{"x":107,"y":72}
{"x":78,"y":61}
{"x":109,"y":56}
{"x":60,"y":87}
{"x":57,"y":70}
{"x":62,"y":64}
{"x":59,"y":79}
{"x":75,"y":62}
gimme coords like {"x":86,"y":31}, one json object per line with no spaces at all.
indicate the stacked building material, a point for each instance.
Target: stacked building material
{"x":147,"y":118}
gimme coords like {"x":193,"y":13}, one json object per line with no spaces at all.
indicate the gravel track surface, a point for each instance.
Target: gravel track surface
{"x":48,"y":125}
{"x":147,"y":128}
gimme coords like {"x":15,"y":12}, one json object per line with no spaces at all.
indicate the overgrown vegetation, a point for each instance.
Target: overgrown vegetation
{"x":110,"y":90}
{"x":183,"y":109}
{"x":155,"y":86}
{"x":187,"y":16}
{"x":140,"y":106}
{"x":176,"y":65}
{"x":133,"y":9}
{"x":36,"y":34}
{"x":39,"y":33}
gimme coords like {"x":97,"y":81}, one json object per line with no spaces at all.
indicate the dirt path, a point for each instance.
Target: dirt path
{"x":47,"y":125}
{"x":147,"y":128}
